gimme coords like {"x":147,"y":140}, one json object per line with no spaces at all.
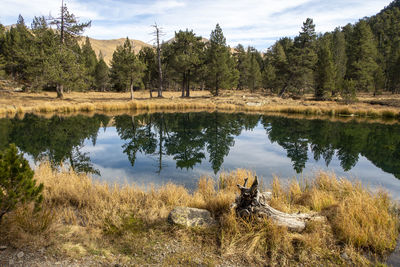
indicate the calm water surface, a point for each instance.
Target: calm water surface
{"x":158,"y":148}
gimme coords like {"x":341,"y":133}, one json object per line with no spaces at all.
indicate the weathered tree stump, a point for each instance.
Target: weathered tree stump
{"x":252,"y":203}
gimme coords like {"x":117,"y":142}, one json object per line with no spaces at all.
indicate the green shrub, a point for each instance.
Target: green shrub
{"x":16,"y":181}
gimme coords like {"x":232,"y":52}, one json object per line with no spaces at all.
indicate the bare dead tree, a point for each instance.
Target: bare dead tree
{"x":62,"y":21}
{"x":157,"y":33}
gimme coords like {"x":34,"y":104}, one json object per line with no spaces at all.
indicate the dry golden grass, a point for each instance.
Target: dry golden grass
{"x":357,"y":216}
{"x":83,"y":217}
{"x":229,"y":101}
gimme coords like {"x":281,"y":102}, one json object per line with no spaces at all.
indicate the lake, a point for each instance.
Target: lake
{"x":181,"y":147}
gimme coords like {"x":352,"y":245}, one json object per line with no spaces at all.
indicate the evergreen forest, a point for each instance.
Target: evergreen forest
{"x":361,"y":57}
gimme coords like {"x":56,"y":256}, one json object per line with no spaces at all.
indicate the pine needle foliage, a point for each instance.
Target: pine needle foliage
{"x":16,"y":181}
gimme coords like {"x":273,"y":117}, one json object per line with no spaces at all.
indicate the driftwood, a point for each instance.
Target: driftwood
{"x":252,"y":203}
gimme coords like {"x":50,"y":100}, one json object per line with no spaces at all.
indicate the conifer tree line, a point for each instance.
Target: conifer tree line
{"x":360,"y":57}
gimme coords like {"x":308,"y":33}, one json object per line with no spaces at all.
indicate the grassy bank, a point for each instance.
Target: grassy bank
{"x":81,"y":217}
{"x":20,"y":103}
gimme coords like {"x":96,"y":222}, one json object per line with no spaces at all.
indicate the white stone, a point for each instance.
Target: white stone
{"x":253,"y":104}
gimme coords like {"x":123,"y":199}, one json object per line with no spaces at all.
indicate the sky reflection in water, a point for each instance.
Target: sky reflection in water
{"x":252,"y":150}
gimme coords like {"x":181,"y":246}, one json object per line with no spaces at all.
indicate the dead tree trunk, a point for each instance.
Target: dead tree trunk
{"x":252,"y":203}
{"x":188,"y":84}
{"x":160,"y":76}
{"x":60,"y":91}
{"x":131,"y":89}
{"x":183,"y":84}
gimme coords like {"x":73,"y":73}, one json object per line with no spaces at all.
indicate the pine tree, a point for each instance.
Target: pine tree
{"x":269,"y":72}
{"x":148,"y":56}
{"x":17,"y":49}
{"x":45,"y":42}
{"x":2,"y":66}
{"x":16,"y":181}
{"x":2,"y":60}
{"x":303,"y":59}
{"x":220,"y":64}
{"x":101,"y":74}
{"x":386,"y":27}
{"x":127,"y":70}
{"x":242,"y":65}
{"x":325,"y":71}
{"x":339,"y":58}
{"x":69,"y":29}
{"x":280,"y":61}
{"x":363,"y":67}
{"x":394,"y":72}
{"x":62,"y":69}
{"x":379,"y":80}
{"x":2,"y":38}
{"x":168,"y":74}
{"x":254,"y":73}
{"x":89,"y":60}
{"x":187,"y":57}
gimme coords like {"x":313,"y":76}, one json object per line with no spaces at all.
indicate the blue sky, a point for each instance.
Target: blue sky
{"x":252,"y":22}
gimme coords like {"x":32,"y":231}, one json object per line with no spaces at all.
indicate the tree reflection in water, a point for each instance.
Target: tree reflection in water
{"x":191,"y":138}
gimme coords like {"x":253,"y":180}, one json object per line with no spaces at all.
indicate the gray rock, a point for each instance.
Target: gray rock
{"x":3,"y":248}
{"x":191,"y":217}
{"x":20,"y":254}
{"x":344,"y":256}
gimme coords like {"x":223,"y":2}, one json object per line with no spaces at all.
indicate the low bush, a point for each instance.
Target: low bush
{"x":17,"y":185}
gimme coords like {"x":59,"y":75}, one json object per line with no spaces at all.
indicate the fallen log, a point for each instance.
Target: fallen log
{"x":252,"y":203}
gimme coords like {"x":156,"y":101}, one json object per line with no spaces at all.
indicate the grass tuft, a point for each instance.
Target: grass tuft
{"x":81,"y":216}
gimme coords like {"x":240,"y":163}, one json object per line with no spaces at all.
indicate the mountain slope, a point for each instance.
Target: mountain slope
{"x":107,"y":47}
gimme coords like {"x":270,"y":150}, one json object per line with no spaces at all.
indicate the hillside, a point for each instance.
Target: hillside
{"x":107,"y":47}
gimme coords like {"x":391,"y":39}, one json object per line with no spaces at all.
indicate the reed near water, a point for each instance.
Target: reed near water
{"x":83,"y":217}
{"x":21,"y":103}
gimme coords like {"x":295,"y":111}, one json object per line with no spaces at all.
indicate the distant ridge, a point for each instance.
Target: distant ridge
{"x":107,"y":47}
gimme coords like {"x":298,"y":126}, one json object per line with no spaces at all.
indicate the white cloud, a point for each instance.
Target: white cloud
{"x":252,"y":22}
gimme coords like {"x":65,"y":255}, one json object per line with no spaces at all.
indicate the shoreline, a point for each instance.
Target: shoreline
{"x":112,"y":113}
{"x":230,"y":101}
